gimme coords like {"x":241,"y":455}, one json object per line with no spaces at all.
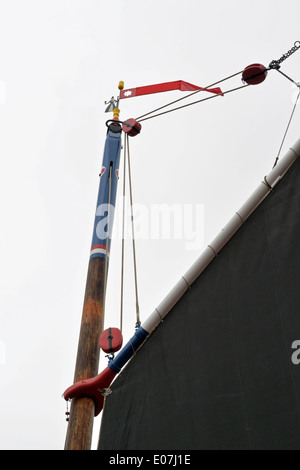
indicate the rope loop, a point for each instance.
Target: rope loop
{"x":106,"y":392}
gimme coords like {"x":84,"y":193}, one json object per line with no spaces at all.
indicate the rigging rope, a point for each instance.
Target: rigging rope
{"x":187,"y":96}
{"x":123,"y":219}
{"x":194,"y":102}
{"x":288,"y":126}
{"x":127,"y":156}
{"x":108,"y":233}
{"x":275,"y":64}
{"x":286,"y":76}
{"x":133,"y":238}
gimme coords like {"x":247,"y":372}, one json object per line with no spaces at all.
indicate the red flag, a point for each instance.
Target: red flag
{"x":168,"y":86}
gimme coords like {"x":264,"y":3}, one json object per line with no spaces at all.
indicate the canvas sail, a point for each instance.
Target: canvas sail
{"x":217,"y":373}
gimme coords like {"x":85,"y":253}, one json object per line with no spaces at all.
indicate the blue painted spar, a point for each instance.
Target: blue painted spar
{"x":129,"y":349}
{"x":107,"y":193}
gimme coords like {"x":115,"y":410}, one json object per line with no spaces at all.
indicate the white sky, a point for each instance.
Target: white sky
{"x":59,"y":62}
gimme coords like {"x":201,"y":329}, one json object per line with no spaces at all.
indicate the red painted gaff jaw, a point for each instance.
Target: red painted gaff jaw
{"x":92,"y":388}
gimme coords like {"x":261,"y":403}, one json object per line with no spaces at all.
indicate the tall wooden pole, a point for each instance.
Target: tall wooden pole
{"x":82,"y":412}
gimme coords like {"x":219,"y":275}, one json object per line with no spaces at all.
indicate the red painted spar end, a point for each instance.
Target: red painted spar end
{"x":92,"y":388}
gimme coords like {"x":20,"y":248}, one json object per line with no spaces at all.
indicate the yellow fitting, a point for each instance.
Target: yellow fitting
{"x":121,"y":85}
{"x":116,"y":112}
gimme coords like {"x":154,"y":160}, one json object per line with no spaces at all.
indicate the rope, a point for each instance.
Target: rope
{"x":286,"y":76}
{"x":127,"y":155}
{"x":194,"y":102}
{"x":133,"y":238}
{"x":123,"y":218}
{"x":187,"y":96}
{"x":286,"y":131}
{"x":275,"y":64}
{"x":107,"y":236}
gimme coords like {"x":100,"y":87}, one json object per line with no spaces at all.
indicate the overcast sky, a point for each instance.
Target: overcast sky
{"x":59,"y":61}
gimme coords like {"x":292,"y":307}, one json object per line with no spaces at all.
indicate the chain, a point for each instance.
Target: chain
{"x":67,"y":413}
{"x":275,"y":64}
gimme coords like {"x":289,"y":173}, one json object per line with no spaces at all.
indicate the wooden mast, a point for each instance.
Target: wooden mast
{"x":82,"y":411}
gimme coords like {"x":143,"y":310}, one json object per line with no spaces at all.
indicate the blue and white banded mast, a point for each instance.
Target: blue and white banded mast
{"x":109,"y":176}
{"x":81,"y":416}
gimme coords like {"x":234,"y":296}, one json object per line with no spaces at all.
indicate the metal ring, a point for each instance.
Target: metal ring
{"x":112,"y":120}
